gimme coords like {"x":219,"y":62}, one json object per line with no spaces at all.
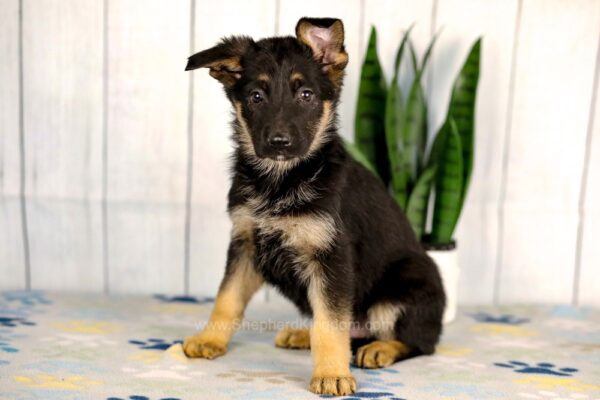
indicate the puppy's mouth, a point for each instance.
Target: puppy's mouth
{"x":281,"y":157}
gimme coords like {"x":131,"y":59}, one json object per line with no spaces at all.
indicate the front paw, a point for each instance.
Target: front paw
{"x":335,"y":386}
{"x":198,"y":347}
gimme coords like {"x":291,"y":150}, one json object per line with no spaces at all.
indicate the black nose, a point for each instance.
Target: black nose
{"x":280,"y":139}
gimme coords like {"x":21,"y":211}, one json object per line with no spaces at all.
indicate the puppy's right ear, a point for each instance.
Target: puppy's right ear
{"x":224,"y":60}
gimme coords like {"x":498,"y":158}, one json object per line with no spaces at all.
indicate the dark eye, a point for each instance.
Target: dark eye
{"x":306,"y":95}
{"x":256,"y":96}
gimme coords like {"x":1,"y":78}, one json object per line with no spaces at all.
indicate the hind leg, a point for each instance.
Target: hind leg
{"x":385,"y":350}
{"x":290,"y":338}
{"x":381,"y":353}
{"x":405,"y":316}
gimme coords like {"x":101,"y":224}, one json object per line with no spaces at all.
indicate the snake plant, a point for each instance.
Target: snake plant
{"x":370,"y":111}
{"x":388,"y":127}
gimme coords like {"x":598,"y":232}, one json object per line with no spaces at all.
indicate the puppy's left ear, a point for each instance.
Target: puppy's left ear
{"x":325,"y":37}
{"x":224,"y":60}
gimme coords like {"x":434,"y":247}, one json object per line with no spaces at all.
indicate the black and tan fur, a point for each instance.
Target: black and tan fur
{"x":310,"y":220}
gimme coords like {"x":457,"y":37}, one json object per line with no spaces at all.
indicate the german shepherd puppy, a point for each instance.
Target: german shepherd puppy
{"x":310,"y":220}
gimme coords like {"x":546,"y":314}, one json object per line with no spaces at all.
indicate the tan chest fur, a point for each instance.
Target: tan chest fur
{"x":307,"y":233}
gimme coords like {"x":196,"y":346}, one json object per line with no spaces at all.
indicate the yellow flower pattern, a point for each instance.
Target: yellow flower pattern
{"x":47,"y":381}
{"x":92,"y":328}
{"x":556,"y":382}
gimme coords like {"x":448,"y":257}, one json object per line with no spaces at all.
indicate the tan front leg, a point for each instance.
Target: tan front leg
{"x":241,"y":281}
{"x":330,"y":346}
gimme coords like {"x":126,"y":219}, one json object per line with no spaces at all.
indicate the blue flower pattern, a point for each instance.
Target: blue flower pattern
{"x":154,"y":344}
{"x":139,"y":397}
{"x":543,"y":368}
{"x":506,"y":319}
{"x":184,"y":299}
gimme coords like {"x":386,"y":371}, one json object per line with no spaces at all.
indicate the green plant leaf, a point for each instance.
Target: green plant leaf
{"x":418,"y":202}
{"x":400,"y":52}
{"x":414,"y":129}
{"x":394,"y":118}
{"x":413,"y":57}
{"x":438,"y":143}
{"x":428,"y":51}
{"x":449,"y":185}
{"x":359,"y":156}
{"x":462,"y":110}
{"x":369,"y":124}
{"x":394,"y":110}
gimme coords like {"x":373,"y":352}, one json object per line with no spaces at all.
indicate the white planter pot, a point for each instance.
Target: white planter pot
{"x":447,"y":262}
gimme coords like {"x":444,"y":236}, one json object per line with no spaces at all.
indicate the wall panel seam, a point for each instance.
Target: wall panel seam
{"x":584,"y":177}
{"x":506,"y":153}
{"x":361,"y":29}
{"x":432,"y":31}
{"x":277,"y":14}
{"x":104,"y":203}
{"x":22,"y":167}
{"x":190,"y":159}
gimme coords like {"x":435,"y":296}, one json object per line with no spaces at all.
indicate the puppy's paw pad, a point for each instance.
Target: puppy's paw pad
{"x":289,"y":338}
{"x":196,"y":347}
{"x":335,"y":386}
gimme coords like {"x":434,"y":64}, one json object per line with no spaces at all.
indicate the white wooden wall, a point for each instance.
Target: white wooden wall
{"x":113,"y":161}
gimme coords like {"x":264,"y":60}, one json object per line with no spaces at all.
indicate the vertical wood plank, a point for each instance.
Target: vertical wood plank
{"x":210,"y":225}
{"x":63,"y":98}
{"x":349,"y":13}
{"x":146,"y":138}
{"x":9,"y":99}
{"x":461,"y":23}
{"x":65,"y":240}
{"x":62,"y":125}
{"x":589,"y":277}
{"x":553,"y":86}
{"x":12,"y":262}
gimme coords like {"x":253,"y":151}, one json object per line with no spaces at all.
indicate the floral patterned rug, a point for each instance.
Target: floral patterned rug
{"x":70,"y":346}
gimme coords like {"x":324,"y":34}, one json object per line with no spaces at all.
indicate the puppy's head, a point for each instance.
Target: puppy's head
{"x":283,"y":89}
